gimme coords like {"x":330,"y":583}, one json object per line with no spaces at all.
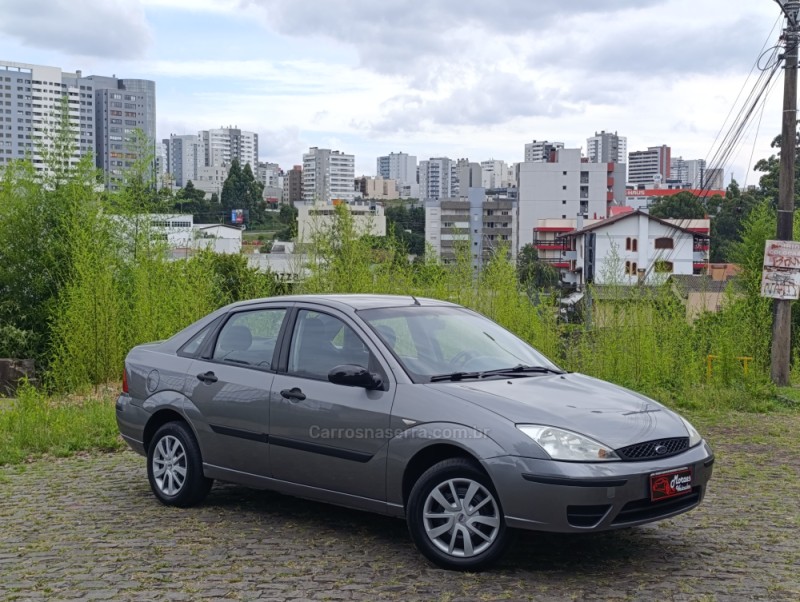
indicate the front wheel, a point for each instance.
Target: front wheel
{"x":175,"y":468}
{"x":455,"y":518}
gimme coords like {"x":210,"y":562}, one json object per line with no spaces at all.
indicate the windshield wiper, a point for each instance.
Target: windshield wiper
{"x":521,"y":369}
{"x":514,"y":370}
{"x":455,"y":376}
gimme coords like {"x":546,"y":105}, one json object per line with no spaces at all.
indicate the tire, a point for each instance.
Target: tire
{"x":175,"y":467}
{"x":441,"y":529}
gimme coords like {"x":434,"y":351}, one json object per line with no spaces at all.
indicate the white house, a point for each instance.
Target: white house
{"x":634,"y":247}
{"x":314,"y":219}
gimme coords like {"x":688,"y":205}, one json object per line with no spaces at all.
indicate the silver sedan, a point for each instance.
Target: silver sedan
{"x":413,"y":408}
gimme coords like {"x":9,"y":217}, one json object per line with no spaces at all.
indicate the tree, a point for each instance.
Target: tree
{"x":533,"y":272}
{"x":408,"y":226}
{"x":192,"y":200}
{"x":242,"y":191}
{"x":728,"y":215}
{"x":287,"y":218}
{"x":683,"y":205}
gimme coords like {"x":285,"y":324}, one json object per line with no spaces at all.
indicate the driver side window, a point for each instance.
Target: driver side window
{"x":320,"y":343}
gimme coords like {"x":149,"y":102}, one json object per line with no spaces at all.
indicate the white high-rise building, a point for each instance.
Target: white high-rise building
{"x":402,"y":168}
{"x":328,"y":175}
{"x":494,"y":174}
{"x":691,"y":173}
{"x":652,"y":166}
{"x":539,"y":150}
{"x":565,"y":187}
{"x":438,"y":178}
{"x":224,"y":144}
{"x":606,"y":147}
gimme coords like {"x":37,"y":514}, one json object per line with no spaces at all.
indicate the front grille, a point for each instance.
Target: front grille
{"x":648,"y":510}
{"x":586,"y":516}
{"x":647,"y":451}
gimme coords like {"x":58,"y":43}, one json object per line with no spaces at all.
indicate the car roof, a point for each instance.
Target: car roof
{"x":353,"y":301}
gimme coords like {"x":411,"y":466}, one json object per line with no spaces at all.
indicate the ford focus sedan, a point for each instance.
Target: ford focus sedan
{"x":414,"y":408}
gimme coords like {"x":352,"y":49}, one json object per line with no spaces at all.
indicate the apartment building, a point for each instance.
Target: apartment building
{"x":494,"y":174}
{"x":402,"y":168}
{"x":31,"y":99}
{"x":184,"y":155}
{"x":328,"y":175}
{"x":222,"y":145}
{"x":437,"y":178}
{"x":476,"y":223}
{"x":649,"y":166}
{"x":316,"y":219}
{"x":293,"y":185}
{"x":378,"y":188}
{"x":565,"y":186}
{"x":540,"y":150}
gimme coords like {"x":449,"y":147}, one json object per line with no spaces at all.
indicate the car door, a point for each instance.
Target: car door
{"x":229,"y":388}
{"x":323,"y":434}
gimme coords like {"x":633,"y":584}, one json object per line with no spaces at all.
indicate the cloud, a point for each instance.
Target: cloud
{"x":495,"y":98}
{"x":91,"y":28}
{"x":395,"y":37}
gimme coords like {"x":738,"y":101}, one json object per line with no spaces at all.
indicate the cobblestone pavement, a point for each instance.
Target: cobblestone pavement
{"x":88,"y":528}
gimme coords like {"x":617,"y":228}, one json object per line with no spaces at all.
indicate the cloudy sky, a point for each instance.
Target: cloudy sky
{"x":461,"y":78}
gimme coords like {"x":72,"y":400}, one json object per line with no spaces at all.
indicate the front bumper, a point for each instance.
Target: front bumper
{"x":131,"y":420}
{"x":567,"y":497}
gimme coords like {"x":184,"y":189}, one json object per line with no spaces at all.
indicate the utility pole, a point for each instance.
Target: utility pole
{"x":782,"y":314}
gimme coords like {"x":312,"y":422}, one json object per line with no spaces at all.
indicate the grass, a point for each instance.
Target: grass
{"x":34,"y":425}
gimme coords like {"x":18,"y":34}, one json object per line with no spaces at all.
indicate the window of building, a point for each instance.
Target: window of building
{"x":628,"y":244}
{"x":635,"y":245}
{"x":664,"y":243}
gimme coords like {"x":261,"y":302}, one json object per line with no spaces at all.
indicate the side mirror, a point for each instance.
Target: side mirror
{"x":352,"y":375}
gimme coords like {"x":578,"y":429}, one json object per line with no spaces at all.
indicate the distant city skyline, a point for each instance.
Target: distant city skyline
{"x":371,"y":78}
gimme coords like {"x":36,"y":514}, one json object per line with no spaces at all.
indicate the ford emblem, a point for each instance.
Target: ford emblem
{"x":660,"y":450}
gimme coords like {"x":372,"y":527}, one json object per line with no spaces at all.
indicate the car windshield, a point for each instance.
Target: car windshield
{"x":436,"y":343}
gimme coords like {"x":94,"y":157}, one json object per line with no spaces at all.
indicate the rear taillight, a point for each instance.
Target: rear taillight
{"x":124,"y":380}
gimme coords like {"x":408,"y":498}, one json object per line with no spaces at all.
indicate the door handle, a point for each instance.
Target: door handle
{"x":208,"y":377}
{"x":294,"y":394}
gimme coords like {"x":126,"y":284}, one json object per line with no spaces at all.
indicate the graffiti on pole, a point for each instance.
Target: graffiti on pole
{"x":781,"y":276}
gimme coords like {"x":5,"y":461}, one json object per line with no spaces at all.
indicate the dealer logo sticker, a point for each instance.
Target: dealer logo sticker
{"x":671,"y":483}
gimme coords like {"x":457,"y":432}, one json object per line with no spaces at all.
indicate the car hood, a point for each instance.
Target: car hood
{"x":611,"y":414}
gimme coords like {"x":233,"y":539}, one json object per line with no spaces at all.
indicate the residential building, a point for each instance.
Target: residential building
{"x":701,"y":293}
{"x":468,"y":175}
{"x":565,"y":186}
{"x":643,"y":196}
{"x":494,"y":174}
{"x":691,"y":173}
{"x":629,"y":248}
{"x":605,"y":147}
{"x":539,"y":150}
{"x":271,"y":176}
{"x":316,"y":219}
{"x":402,"y":168}
{"x":437,"y":178}
{"x":185,"y":154}
{"x":211,"y":179}
{"x":328,"y":175}
{"x":714,"y":179}
{"x":121,"y":107}
{"x":103,"y":112}
{"x":482,"y":224}
{"x":293,"y":185}
{"x":222,"y":145}
{"x":379,"y":188}
{"x":184,"y":237}
{"x":651,"y":166}
{"x":32,"y":102}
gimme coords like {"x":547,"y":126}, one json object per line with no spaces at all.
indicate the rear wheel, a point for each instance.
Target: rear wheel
{"x":175,"y":467}
{"x":455,"y":518}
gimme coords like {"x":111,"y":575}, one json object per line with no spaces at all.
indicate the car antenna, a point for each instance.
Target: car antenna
{"x":416,"y":301}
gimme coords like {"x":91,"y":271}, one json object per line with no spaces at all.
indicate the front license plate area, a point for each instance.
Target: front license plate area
{"x":670,"y":483}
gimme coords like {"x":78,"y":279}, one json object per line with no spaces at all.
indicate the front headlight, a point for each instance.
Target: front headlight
{"x":694,"y":436}
{"x":566,"y":445}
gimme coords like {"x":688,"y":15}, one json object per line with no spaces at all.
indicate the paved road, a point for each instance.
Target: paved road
{"x":88,"y":528}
